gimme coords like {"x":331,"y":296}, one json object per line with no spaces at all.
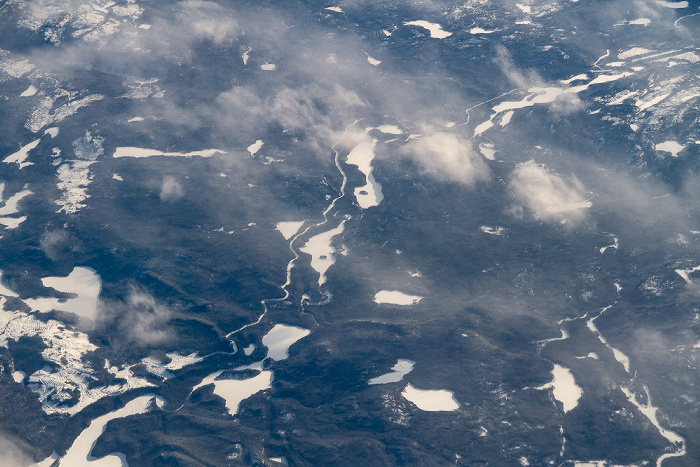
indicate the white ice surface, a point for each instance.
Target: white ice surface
{"x":322,"y":251}
{"x":395,"y":297}
{"x":20,"y":156}
{"x":492,"y":230}
{"x":373,"y":61}
{"x":30,"y":91}
{"x":80,"y":451}
{"x":401,"y":369}
{"x":478,"y":30}
{"x":337,"y":9}
{"x":255,"y":147}
{"x":620,"y":357}
{"x":361,"y":156}
{"x":431,"y":400}
{"x":505,"y":120}
{"x":633,"y":52}
{"x":487,"y":150}
{"x":268,"y":67}
{"x":435,"y":29}
{"x":280,"y":338}
{"x":288,"y":229}
{"x":672,"y":4}
{"x":641,"y":21}
{"x":178,"y":361}
{"x":564,"y":387}
{"x":74,"y":178}
{"x":650,"y":412}
{"x":389,"y":129}
{"x":235,"y":391}
{"x":645,"y":104}
{"x":11,"y":205}
{"x":671,"y":147}
{"x":83,"y":282}
{"x":685,"y":273}
{"x":144,"y":152}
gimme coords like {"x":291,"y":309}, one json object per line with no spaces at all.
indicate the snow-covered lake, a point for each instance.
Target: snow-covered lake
{"x":322,"y":251}
{"x":361,"y":156}
{"x":431,"y":400}
{"x":129,"y":151}
{"x":289,"y":229}
{"x":394,"y":297}
{"x":280,"y":338}
{"x":564,"y":387}
{"x":435,"y":29}
{"x":80,"y":451}
{"x":83,"y":282}
{"x":401,"y":369}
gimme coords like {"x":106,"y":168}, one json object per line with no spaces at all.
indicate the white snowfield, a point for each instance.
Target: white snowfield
{"x":431,"y":400}
{"x":129,"y":151}
{"x":394,"y":297}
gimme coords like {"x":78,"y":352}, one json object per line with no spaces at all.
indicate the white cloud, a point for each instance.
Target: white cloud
{"x":565,"y":102}
{"x":11,"y":455}
{"x":171,"y":189}
{"x":208,"y":20}
{"x":549,"y":196}
{"x":446,"y":156}
{"x":148,"y":321}
{"x":515,"y":76}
